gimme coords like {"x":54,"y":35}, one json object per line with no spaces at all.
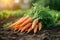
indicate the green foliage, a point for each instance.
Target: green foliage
{"x":7,"y":24}
{"x":7,"y":14}
{"x":55,"y":14}
{"x":34,"y":1}
{"x":46,"y":16}
{"x":55,"y":4}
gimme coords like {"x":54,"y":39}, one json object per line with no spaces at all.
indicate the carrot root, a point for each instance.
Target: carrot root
{"x":26,"y":22}
{"x":34,"y":23}
{"x":39,"y":26}
{"x":26,"y":26}
{"x":18,"y":22}
{"x":35,"y":29}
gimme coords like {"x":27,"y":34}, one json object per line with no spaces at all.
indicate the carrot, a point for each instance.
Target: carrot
{"x":16,"y":28}
{"x":25,"y":18}
{"x":26,"y":26}
{"x":14,"y":24}
{"x":26,"y":22}
{"x":34,"y":23}
{"x":29,"y":30}
{"x":35,"y":29}
{"x":39,"y":26}
{"x":20,"y":29}
{"x":18,"y":22}
{"x":29,"y":20}
{"x":26,"y":29}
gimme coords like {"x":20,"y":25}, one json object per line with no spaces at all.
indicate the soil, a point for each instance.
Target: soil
{"x":7,"y":34}
{"x":44,"y":34}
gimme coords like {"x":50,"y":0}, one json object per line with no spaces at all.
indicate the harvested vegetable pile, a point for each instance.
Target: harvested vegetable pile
{"x":26,"y":24}
{"x":38,"y":17}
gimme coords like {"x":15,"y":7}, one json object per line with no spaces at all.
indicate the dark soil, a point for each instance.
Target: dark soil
{"x":7,"y":34}
{"x":44,"y":34}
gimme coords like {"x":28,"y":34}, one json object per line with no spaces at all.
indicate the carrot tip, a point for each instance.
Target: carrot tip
{"x":15,"y":29}
{"x":19,"y":30}
{"x":9,"y":27}
{"x":27,"y":32}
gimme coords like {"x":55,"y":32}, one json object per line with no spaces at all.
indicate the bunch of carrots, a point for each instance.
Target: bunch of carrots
{"x":26,"y":24}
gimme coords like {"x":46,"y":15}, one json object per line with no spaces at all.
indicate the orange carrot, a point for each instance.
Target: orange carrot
{"x":39,"y":26}
{"x":25,"y":18}
{"x":20,"y":29}
{"x":26,"y":29}
{"x":18,"y":22}
{"x":14,"y":24}
{"x":35,"y":29}
{"x":29,"y":30}
{"x":26,"y":26}
{"x":29,"y":20}
{"x":26,"y":22}
{"x":16,"y":28}
{"x":34,"y":23}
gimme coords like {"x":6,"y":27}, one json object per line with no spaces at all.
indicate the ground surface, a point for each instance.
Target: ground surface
{"x":44,"y":34}
{"x":7,"y":34}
